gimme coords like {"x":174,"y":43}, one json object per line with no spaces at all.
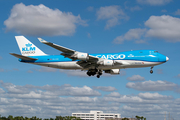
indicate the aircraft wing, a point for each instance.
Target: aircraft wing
{"x":66,"y":51}
{"x":85,"y":60}
{"x":58,"y":47}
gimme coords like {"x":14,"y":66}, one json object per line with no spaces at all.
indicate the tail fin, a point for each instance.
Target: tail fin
{"x":27,"y":48}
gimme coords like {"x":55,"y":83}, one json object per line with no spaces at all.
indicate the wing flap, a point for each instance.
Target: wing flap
{"x":86,"y":65}
{"x":23,"y":57}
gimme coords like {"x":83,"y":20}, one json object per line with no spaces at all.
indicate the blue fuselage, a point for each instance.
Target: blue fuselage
{"x":138,"y":55}
{"x":129,"y":59}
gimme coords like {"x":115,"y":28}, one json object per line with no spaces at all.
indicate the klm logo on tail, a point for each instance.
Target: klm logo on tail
{"x":28,"y":49}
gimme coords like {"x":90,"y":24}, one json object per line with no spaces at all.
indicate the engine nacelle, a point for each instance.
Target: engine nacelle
{"x":113,"y":71}
{"x":108,"y":62}
{"x":82,"y":56}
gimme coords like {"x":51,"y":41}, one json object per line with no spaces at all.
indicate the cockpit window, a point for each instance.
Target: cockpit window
{"x":155,"y":51}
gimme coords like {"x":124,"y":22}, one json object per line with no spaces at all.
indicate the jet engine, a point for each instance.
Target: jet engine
{"x":82,"y":56}
{"x":113,"y":71}
{"x":108,"y":62}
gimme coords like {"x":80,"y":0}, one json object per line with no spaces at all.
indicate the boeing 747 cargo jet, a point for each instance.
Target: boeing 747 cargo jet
{"x":94,"y":64}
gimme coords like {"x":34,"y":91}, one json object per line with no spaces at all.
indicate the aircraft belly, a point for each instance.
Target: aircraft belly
{"x":69,"y":65}
{"x":134,"y":64}
{"x":48,"y":64}
{"x":130,"y":64}
{"x":74,"y":65}
{"x":61,"y":65}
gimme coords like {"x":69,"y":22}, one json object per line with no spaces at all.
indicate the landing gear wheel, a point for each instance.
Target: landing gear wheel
{"x":151,"y":71}
{"x":98,"y":76}
{"x":92,"y":72}
{"x":89,"y":73}
{"x":100,"y":73}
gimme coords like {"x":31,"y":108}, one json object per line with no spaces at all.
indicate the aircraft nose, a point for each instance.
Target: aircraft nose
{"x":167,"y":58}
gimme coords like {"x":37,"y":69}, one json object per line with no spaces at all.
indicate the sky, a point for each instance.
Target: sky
{"x":102,"y":26}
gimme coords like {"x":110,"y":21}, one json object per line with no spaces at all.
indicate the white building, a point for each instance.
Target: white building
{"x":96,"y":115}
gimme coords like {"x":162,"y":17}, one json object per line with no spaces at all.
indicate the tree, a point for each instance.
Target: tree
{"x":59,"y":118}
{"x":10,"y":117}
{"x":26,"y":118}
{"x":125,"y":119}
{"x":137,"y":117}
{"x":140,"y":118}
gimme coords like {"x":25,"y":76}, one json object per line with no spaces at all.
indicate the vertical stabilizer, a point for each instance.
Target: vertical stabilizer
{"x":27,"y":48}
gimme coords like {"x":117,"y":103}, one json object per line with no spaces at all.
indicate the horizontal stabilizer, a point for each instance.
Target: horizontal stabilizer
{"x":23,"y":57}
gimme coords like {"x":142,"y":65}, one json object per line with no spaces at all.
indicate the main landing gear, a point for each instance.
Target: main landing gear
{"x":151,"y":71}
{"x":99,"y":74}
{"x":92,"y":72}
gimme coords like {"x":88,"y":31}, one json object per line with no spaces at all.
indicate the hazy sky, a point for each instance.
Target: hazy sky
{"x":103,"y":26}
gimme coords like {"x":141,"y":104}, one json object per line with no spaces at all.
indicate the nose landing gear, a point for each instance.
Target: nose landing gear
{"x":151,"y":71}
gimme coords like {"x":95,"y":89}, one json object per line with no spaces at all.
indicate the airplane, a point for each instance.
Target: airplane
{"x":94,"y":64}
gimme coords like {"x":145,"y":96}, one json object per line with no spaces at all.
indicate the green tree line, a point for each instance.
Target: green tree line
{"x":136,"y":117}
{"x":10,"y":117}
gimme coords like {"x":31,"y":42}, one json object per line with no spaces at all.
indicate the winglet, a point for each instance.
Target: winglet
{"x":42,"y":41}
